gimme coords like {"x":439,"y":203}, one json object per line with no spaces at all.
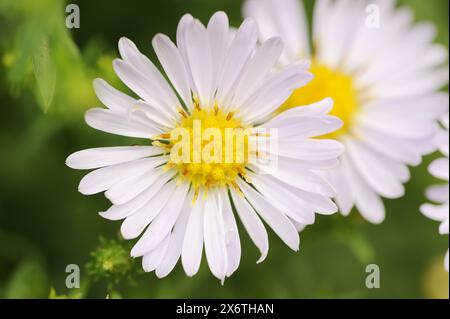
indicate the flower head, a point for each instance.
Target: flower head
{"x":110,"y":261}
{"x":383,"y":73}
{"x":216,"y":150}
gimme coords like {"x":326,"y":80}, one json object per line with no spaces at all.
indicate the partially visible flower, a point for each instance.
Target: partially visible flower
{"x":383,"y":73}
{"x":219,"y":80}
{"x":439,"y":194}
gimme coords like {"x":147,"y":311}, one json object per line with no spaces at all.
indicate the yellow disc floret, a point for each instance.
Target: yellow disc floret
{"x":328,"y":83}
{"x":209,"y":148}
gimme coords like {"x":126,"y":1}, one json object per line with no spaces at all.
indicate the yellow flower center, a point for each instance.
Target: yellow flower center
{"x":328,"y":83}
{"x":209,"y":148}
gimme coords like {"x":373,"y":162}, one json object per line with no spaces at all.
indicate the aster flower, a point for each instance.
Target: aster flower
{"x":439,"y":194}
{"x":383,"y":73}
{"x":219,"y":79}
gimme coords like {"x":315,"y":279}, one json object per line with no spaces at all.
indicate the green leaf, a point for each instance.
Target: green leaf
{"x":45,"y":73}
{"x":29,"y":280}
{"x":113,"y":294}
{"x":76,"y":293}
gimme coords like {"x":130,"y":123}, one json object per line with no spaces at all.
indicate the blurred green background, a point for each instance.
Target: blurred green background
{"x":46,"y":73}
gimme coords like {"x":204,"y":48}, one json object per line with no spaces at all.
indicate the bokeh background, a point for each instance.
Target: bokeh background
{"x":46,"y":71}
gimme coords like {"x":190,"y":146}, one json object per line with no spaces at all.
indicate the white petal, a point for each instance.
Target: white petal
{"x":184,"y":23}
{"x":153,"y":259}
{"x":442,"y":141}
{"x":319,"y":203}
{"x":445,"y":120}
{"x":288,"y":172}
{"x":117,"y":212}
{"x":438,"y":193}
{"x":285,"y":201}
{"x":345,"y":23}
{"x":106,"y":156}
{"x":241,"y":48}
{"x":176,"y":242}
{"x":308,"y":149}
{"x":280,"y":224}
{"x":114,"y":123}
{"x":271,"y":95}
{"x":163,"y":223}
{"x":444,"y":227}
{"x":112,"y":98}
{"x":435,"y":104}
{"x":304,"y":126}
{"x":232,"y":241}
{"x":198,"y":53}
{"x":440,"y":168}
{"x":257,"y":69}
{"x":173,"y":64}
{"x":154,"y":115}
{"x":344,"y":198}
{"x":252,"y":223}
{"x":129,"y":188}
{"x":103,"y":178}
{"x":146,"y":87}
{"x":214,"y":237}
{"x":320,"y":108}
{"x":396,"y":148}
{"x":367,"y":201}
{"x":291,"y":18}
{"x":191,"y":252}
{"x":135,"y":224}
{"x":285,"y":18}
{"x":427,"y":83}
{"x":435,"y":212}
{"x":374,"y":170}
{"x":218,"y":33}
{"x":299,"y":226}
{"x":160,"y":89}
{"x":398,"y":126}
{"x":432,"y":57}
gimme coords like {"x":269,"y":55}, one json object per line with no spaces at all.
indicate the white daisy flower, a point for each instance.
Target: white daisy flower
{"x":221,"y":79}
{"x":439,"y":194}
{"x":383,"y":73}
